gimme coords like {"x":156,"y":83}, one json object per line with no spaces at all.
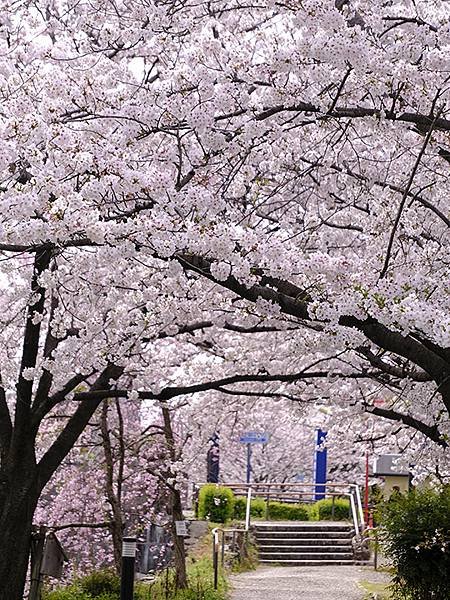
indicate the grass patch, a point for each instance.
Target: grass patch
{"x":376,"y":590}
{"x":105,"y":585}
{"x":201,"y":587}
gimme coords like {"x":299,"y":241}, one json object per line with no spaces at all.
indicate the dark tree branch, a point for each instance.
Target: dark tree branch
{"x":171,"y":392}
{"x":406,"y":193}
{"x":431,"y":432}
{"x":31,"y":338}
{"x":5,"y":424}
{"x":40,"y":411}
{"x":423,"y":122}
{"x":398,"y":372}
{"x":51,"y":343}
{"x":102,"y":525}
{"x":74,"y":427}
{"x":402,"y":345}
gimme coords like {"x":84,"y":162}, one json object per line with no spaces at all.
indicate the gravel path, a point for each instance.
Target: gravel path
{"x":303,"y":583}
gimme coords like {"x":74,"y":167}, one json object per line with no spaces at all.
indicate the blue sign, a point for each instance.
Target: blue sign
{"x":254,"y":437}
{"x":320,"y":465}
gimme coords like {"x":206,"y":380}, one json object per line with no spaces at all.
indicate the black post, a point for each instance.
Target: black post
{"x":127,"y":574}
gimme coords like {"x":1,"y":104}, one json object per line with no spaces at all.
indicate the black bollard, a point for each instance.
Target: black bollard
{"x":127,"y":575}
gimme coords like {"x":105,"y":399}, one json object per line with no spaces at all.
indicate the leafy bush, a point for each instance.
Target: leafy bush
{"x":71,"y":592}
{"x":415,"y":535}
{"x":257,"y":508}
{"x":215,"y":503}
{"x":324,"y":509}
{"x":284,"y":511}
{"x":99,"y":583}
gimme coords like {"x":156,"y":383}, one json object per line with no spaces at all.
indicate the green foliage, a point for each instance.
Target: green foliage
{"x":100,"y":583}
{"x":200,"y":577}
{"x":415,"y":536}
{"x":215,"y":503}
{"x":71,"y":592}
{"x":284,"y":511}
{"x":201,"y":587}
{"x":323,"y":509}
{"x":257,"y":508}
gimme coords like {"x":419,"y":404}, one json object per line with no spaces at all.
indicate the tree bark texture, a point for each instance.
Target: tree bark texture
{"x":18,"y":500}
{"x":113,"y":487}
{"x":175,"y":509}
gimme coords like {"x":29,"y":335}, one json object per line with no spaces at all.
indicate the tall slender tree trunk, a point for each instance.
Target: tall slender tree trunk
{"x":113,"y":486}
{"x":178,"y":541}
{"x":176,"y":508}
{"x":18,"y":502}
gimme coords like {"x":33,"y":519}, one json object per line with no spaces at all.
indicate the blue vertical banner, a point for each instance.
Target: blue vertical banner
{"x":320,"y":465}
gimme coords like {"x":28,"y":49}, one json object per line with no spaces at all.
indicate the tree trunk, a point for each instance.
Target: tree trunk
{"x":17,"y":506}
{"x":178,"y":541}
{"x":113,"y":492}
{"x":176,"y":509}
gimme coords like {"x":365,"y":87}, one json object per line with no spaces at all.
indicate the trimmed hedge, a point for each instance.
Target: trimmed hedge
{"x":215,"y":503}
{"x":257,"y":508}
{"x":324,"y":509}
{"x":284,"y":511}
{"x":218,"y":504}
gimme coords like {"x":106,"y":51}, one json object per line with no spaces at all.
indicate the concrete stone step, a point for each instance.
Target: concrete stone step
{"x":304,"y":534}
{"x":307,"y":563}
{"x":312,"y":543}
{"x":296,"y":556}
{"x":301,"y":541}
{"x":309,"y":549}
{"x":305,"y":526}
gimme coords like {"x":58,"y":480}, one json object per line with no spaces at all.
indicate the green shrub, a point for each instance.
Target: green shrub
{"x":72,"y":592}
{"x":415,"y":535}
{"x":257,"y":508}
{"x":100,"y":583}
{"x":324,"y":509}
{"x":284,"y":511}
{"x":215,"y":503}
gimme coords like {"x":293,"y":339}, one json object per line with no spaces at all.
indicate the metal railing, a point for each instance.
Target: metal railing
{"x":301,"y":493}
{"x":238,"y":543}
{"x":288,"y":492}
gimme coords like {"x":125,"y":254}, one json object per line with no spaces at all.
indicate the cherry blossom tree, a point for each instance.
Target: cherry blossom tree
{"x":267,"y":183}
{"x":103,"y":489}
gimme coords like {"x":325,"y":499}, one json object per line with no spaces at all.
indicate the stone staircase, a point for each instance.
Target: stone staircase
{"x":304,"y":544}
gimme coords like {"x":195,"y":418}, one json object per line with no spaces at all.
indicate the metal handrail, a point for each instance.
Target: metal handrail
{"x":216,"y":542}
{"x":248,"y":509}
{"x":330,"y":489}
